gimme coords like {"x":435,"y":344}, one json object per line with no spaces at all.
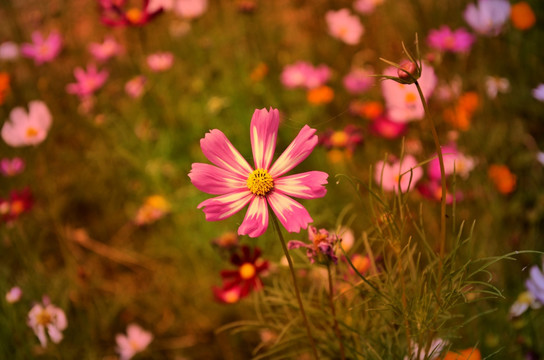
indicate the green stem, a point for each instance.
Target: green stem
{"x":333,"y":310}
{"x":292,"y":268}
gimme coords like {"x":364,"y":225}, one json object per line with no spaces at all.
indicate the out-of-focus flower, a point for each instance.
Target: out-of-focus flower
{"x":42,"y":50}
{"x":154,"y":208}
{"x":432,"y":189}
{"x":344,"y":26}
{"x":14,"y":294}
{"x":103,"y":51}
{"x":227,"y":240}
{"x":420,"y":352}
{"x":9,"y":51}
{"x":16,"y":204}
{"x":30,"y":128}
{"x":402,"y":100}
{"x":403,"y":173}
{"x":190,"y":9}
{"x":460,"y":116}
{"x":345,"y":141}
{"x":524,"y":301}
{"x":454,"y":160}
{"x":157,"y":5}
{"x":259,"y":72}
{"x":48,"y":318}
{"x":87,"y":81}
{"x":358,"y":80}
{"x":4,"y":86}
{"x":366,"y":7}
{"x":135,"y":341}
{"x":367,"y":109}
{"x":522,"y":16}
{"x":540,"y":157}
{"x":304,"y":74}
{"x":502,"y":178}
{"x":495,"y":85}
{"x":115,"y":13}
{"x":238,"y":283}
{"x":467,"y":354}
{"x":135,"y":87}
{"x":538,"y":92}
{"x":535,"y":283}
{"x":238,"y":184}
{"x":449,"y":91}
{"x":11,"y":167}
{"x":346,"y":238}
{"x":384,"y":127}
{"x":320,"y":95}
{"x":445,"y":39}
{"x":161,"y":61}
{"x":488,"y":16}
{"x":321,"y":247}
{"x":361,"y":263}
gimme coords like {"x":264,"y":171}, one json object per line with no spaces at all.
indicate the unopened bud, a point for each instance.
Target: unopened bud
{"x":407,"y":70}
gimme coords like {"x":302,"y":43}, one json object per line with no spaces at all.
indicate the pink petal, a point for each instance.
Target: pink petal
{"x":38,"y":111}
{"x":214,"y":180}
{"x":219,"y":150}
{"x":296,"y":152}
{"x":256,"y":219}
{"x":291,"y":214}
{"x":308,"y":185}
{"x":264,"y":133}
{"x":221,"y":207}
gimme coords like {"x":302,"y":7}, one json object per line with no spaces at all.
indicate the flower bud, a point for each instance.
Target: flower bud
{"x":407,"y":70}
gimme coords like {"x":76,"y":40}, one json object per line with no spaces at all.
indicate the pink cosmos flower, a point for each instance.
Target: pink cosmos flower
{"x":358,"y":80}
{"x":14,"y":294}
{"x":321,"y":247}
{"x":11,"y":167}
{"x":344,"y":26}
{"x":161,"y":61}
{"x":402,"y":101}
{"x":116,"y":13}
{"x":136,"y":340}
{"x":402,"y":173}
{"x":103,"y":51}
{"x":238,"y":184}
{"x":453,"y":159}
{"x":384,"y":127}
{"x":157,"y":5}
{"x":538,"y":92}
{"x":444,"y":39}
{"x":42,"y":50}
{"x":135,"y":87}
{"x":87,"y":82}
{"x":30,"y":128}
{"x":47,"y":317}
{"x":9,"y":50}
{"x":366,"y":7}
{"x":488,"y":17}
{"x":190,"y":9}
{"x":432,"y":190}
{"x":304,"y":74}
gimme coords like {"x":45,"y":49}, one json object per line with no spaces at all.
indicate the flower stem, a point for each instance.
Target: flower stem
{"x":292,"y":268}
{"x":333,"y":310}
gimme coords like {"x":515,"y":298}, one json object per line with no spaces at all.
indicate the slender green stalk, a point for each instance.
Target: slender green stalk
{"x":333,"y":310}
{"x":299,"y":299}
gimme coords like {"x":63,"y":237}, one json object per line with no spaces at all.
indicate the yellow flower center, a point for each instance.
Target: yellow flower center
{"x":247,"y":271}
{"x":231,"y":297}
{"x":17,"y":207}
{"x":410,"y":98}
{"x":134,"y":15}
{"x":339,"y":138}
{"x":31,"y":132}
{"x":43,"y":318}
{"x":260,"y":182}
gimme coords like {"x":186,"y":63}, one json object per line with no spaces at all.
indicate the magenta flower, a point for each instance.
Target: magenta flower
{"x":344,"y":26}
{"x":304,"y":74}
{"x":358,"y":80}
{"x":384,"y":127}
{"x":30,"y":128}
{"x":366,"y":7}
{"x":18,"y":203}
{"x":42,"y":50}
{"x":116,"y":13}
{"x":538,"y":92}
{"x":321,"y":246}
{"x":453,"y":161}
{"x":444,"y":39}
{"x":400,"y":174}
{"x":103,"y":51}
{"x":238,"y":184}
{"x":488,"y":17}
{"x":87,"y":82}
{"x":11,"y":167}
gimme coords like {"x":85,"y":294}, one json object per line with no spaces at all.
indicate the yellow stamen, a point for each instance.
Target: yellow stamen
{"x":31,"y":132}
{"x":339,"y":138}
{"x":134,"y":15}
{"x":260,"y":182}
{"x":247,"y":271}
{"x":410,"y":98}
{"x":43,"y":318}
{"x":17,"y":207}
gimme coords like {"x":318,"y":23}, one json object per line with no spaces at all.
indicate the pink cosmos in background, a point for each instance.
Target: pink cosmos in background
{"x":103,"y":51}
{"x":538,"y":92}
{"x":161,"y":61}
{"x":14,"y":294}
{"x":42,"y":50}
{"x":402,"y":101}
{"x":157,"y":5}
{"x":135,"y":87}
{"x":136,"y":340}
{"x":453,"y":159}
{"x":432,"y":190}
{"x":344,"y":26}
{"x":11,"y":167}
{"x":358,"y":80}
{"x":488,"y":16}
{"x":495,"y":85}
{"x":9,"y":51}
{"x":366,"y":7}
{"x":304,"y":74}
{"x":190,"y":9}
{"x":238,"y":184}
{"x":382,"y":126}
{"x":445,"y":39}
{"x":87,"y":81}
{"x":116,"y":13}
{"x":403,"y":173}
{"x":48,"y":318}
{"x":320,"y":248}
{"x":30,"y":128}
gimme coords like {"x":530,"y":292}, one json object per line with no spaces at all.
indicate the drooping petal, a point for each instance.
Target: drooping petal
{"x":291,"y":214}
{"x":54,"y":334}
{"x":296,"y":152}
{"x":264,"y":133}
{"x":214,"y":180}
{"x":221,"y":207}
{"x":219,"y":150}
{"x":256,"y":219}
{"x":308,"y":185}
{"x":295,"y":244}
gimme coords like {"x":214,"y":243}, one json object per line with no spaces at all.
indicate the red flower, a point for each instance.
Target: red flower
{"x":18,"y":202}
{"x":115,"y":13}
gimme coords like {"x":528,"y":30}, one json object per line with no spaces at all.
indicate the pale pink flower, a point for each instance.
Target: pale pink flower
{"x":366,"y":6}
{"x":238,"y":184}
{"x":135,"y":87}
{"x":87,"y":81}
{"x":488,"y":17}
{"x":538,"y":92}
{"x":9,"y":50}
{"x":344,"y":26}
{"x":14,"y":294}
{"x":11,"y":167}
{"x":47,"y":319}
{"x":304,"y":74}
{"x":190,"y":9}
{"x":103,"y":51}
{"x":161,"y":61}
{"x":136,"y":340}
{"x":453,"y":161}
{"x":495,"y":85}
{"x":42,"y":50}
{"x":358,"y":80}
{"x":30,"y":128}
{"x":403,"y":173}
{"x":445,"y":39}
{"x":157,"y":5}
{"x":402,"y":101}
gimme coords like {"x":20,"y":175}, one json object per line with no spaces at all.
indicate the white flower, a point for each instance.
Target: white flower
{"x":30,"y":128}
{"x":136,"y":340}
{"x":47,"y":318}
{"x":495,"y":85}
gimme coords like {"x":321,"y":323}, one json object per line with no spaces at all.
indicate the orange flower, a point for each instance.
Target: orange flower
{"x":320,"y":95}
{"x":4,"y":86}
{"x":522,"y":16}
{"x":467,"y":354}
{"x":502,"y":178}
{"x":259,"y":72}
{"x":368,"y":109}
{"x":461,"y":115}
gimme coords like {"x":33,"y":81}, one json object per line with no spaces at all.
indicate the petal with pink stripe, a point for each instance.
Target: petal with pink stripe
{"x":214,"y":180}
{"x":292,"y":215}
{"x":256,"y":219}
{"x":296,"y":152}
{"x":264,"y":133}
{"x":308,"y":185}
{"x":223,"y":206}
{"x":219,"y":150}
